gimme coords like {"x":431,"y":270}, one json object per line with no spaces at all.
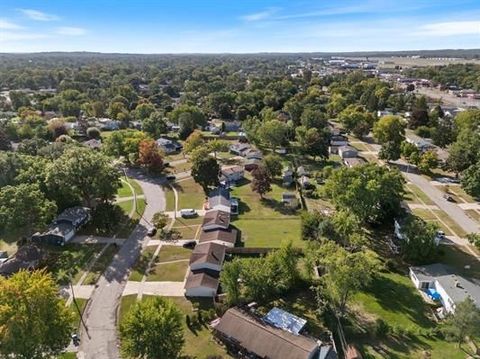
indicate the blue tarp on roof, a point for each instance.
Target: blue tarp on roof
{"x":432,"y":293}
{"x":285,"y":320}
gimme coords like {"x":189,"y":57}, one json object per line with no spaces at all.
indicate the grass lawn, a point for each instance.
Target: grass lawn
{"x":458,"y":257}
{"x":393,"y":298}
{"x":100,"y":265}
{"x":360,"y":146}
{"x":72,"y":257}
{"x":459,"y":192}
{"x":185,"y":222}
{"x":126,"y":206}
{"x":82,"y":303}
{"x":425,"y":214}
{"x":187,"y":232}
{"x":173,"y":253}
{"x":168,"y":272}
{"x":67,"y":355}
{"x":265,"y":222}
{"x":140,"y":208}
{"x":8,"y":242}
{"x":451,"y":223}
{"x":170,"y":198}
{"x":141,"y":264}
{"x":473,"y":214}
{"x":422,"y":197}
{"x":199,"y":341}
{"x":190,"y":194}
{"x":174,"y":157}
{"x":179,"y":167}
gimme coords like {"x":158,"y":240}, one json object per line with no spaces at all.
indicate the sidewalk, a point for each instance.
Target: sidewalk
{"x":97,"y":239}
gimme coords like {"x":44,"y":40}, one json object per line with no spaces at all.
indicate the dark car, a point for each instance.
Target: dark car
{"x":189,"y":244}
{"x":448,"y":198}
{"x":151,"y":231}
{"x":171,"y":177}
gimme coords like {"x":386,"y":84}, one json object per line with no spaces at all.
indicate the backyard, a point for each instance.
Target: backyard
{"x":265,"y":222}
{"x":392,"y":298}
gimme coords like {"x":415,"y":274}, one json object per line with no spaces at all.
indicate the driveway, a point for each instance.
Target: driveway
{"x":101,"y":312}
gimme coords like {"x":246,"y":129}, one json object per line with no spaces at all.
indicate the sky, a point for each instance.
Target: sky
{"x":241,"y":26}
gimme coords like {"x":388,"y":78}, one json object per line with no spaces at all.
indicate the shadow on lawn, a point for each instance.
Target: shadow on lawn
{"x":401,"y":298}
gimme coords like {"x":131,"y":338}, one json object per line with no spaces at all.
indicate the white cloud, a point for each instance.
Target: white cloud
{"x":20,"y":36}
{"x":71,"y":31}
{"x":450,"y":28}
{"x":38,"y":15}
{"x":262,"y":15}
{"x":8,"y":25}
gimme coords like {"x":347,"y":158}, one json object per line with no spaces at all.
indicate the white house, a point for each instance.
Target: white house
{"x":441,"y":283}
{"x":231,"y":174}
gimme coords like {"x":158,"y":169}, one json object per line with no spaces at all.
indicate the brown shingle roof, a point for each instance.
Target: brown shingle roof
{"x":259,"y":338}
{"x":224,"y":235}
{"x":201,"y":279}
{"x":217,"y":217}
{"x":209,"y":252}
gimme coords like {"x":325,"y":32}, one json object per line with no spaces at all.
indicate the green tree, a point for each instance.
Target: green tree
{"x":389,"y":131}
{"x":160,"y":220}
{"x":194,"y":140}
{"x":273,"y":133}
{"x":356,"y":120}
{"x":260,"y":181}
{"x":93,"y":132}
{"x":152,"y":329}
{"x":428,"y":161}
{"x":474,"y":238}
{"x":419,"y":241}
{"x":34,"y":321}
{"x":143,"y":111}
{"x":471,"y":180}
{"x":24,"y":207}
{"x":345,"y":273}
{"x":205,"y":172}
{"x":312,"y":141}
{"x":372,"y":193}
{"x":154,"y":125}
{"x":217,"y":145}
{"x":464,"y":323}
{"x":273,"y":165}
{"x":230,"y":277}
{"x":124,"y":143}
{"x":84,"y":175}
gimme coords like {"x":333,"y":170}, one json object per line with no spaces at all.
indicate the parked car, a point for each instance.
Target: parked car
{"x":171,"y":177}
{"x":189,"y":244}
{"x":441,"y":234}
{"x":151,"y":231}
{"x":448,"y":197}
{"x":188,"y":213}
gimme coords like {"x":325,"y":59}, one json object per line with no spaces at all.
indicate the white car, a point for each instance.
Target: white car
{"x":186,"y":213}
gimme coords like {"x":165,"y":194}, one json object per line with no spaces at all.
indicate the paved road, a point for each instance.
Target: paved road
{"x":101,"y":313}
{"x":452,"y":209}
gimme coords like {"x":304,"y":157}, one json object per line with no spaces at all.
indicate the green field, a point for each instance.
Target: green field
{"x":173,"y":253}
{"x":418,"y":195}
{"x":265,"y":222}
{"x":190,"y":194}
{"x":168,"y":272}
{"x":141,"y":264}
{"x":393,"y":298}
{"x":100,"y":265}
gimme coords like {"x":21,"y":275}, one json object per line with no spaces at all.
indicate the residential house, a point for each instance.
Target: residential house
{"x":347,"y":152}
{"x":338,"y":140}
{"x":168,"y":146}
{"x":240,"y":149}
{"x":93,"y":144}
{"x":254,"y":337}
{"x":219,"y":199}
{"x":216,"y":219}
{"x":398,"y":225}
{"x":27,"y":257}
{"x":201,"y":284}
{"x":107,"y":124}
{"x":64,"y":227}
{"x":225,"y":237}
{"x":208,"y":256}
{"x":252,"y":164}
{"x":301,"y":171}
{"x":353,"y":162}
{"x":440,"y":282}
{"x":254,"y":154}
{"x":304,"y":181}
{"x":290,"y":199}
{"x":287,"y":177}
{"x":231,"y":174}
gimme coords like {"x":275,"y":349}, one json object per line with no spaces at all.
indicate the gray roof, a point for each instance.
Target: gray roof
{"x":73,"y":215}
{"x":457,"y":287}
{"x":219,"y":197}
